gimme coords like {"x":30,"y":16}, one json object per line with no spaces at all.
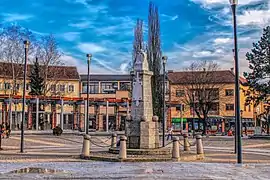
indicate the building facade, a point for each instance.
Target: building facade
{"x":41,"y":112}
{"x":221,"y":115}
{"x":103,"y":88}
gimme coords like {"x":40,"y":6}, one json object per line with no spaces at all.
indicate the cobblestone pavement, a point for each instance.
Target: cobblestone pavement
{"x":217,"y":149}
{"x":138,"y":171}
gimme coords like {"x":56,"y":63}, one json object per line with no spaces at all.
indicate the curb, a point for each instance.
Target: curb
{"x":114,"y":159}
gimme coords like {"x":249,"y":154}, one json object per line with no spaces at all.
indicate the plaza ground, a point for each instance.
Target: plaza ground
{"x":68,"y":147}
{"x":61,"y":153}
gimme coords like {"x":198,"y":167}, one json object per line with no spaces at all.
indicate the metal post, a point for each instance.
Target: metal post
{"x":181,"y":114}
{"x":193,"y":114}
{"x":26,"y":43}
{"x":85,"y":118}
{"x":88,"y":83}
{"x":164,"y":108}
{"x":37,"y":109}
{"x":10,"y":112}
{"x":164,"y":58}
{"x":107,"y":116}
{"x":62,"y":115}
{"x":237,"y":94}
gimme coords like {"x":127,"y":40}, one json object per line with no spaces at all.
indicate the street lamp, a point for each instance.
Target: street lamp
{"x":87,"y":102}
{"x":26,"y":47}
{"x":237,"y":93}
{"x":164,"y":61}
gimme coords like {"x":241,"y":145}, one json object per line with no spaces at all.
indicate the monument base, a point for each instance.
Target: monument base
{"x":142,"y":135}
{"x":160,"y":151}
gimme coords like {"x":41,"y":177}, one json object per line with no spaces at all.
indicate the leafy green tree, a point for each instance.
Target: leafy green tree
{"x":36,"y":80}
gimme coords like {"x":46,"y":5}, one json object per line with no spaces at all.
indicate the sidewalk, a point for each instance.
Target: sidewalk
{"x":72,"y":132}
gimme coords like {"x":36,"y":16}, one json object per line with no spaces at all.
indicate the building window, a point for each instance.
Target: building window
{"x":125,"y":86}
{"x":17,"y":86}
{"x":180,"y":93}
{"x":62,"y":87}
{"x":112,"y":86}
{"x":229,"y":92}
{"x":229,"y":107}
{"x":249,"y":108}
{"x":7,"y":86}
{"x":71,"y":88}
{"x":93,"y":87}
{"x":27,"y":87}
{"x":53,"y":88}
{"x":214,"y":107}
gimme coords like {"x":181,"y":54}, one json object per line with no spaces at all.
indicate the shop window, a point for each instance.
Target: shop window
{"x":180,"y":93}
{"x":229,"y":107}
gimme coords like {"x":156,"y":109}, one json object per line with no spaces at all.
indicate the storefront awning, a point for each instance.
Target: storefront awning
{"x":178,"y":120}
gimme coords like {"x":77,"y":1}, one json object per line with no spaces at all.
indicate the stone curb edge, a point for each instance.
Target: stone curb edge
{"x":111,"y":159}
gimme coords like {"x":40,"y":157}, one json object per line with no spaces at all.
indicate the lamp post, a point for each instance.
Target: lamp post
{"x":164,"y":61}
{"x":241,"y":117}
{"x":237,"y":94}
{"x":87,"y":101}
{"x":26,"y":47}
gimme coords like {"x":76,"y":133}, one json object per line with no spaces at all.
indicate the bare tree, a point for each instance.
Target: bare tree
{"x":154,"y":57}
{"x":49,"y":55}
{"x":12,"y":50}
{"x":201,"y":92}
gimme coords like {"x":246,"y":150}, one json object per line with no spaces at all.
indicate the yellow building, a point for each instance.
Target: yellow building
{"x":63,"y":81}
{"x":221,"y":115}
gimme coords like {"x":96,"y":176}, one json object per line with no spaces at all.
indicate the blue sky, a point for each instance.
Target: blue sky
{"x":190,"y":29}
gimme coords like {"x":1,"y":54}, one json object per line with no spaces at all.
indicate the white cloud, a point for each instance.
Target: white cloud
{"x":202,"y":54}
{"x":90,"y":48}
{"x":254,"y":17}
{"x":168,"y":17}
{"x":82,"y":66}
{"x":81,"y":25}
{"x":210,"y":3}
{"x":219,"y":41}
{"x":8,"y":17}
{"x":71,"y":36}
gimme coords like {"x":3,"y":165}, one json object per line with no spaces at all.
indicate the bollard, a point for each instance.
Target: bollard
{"x":186,"y":143}
{"x":199,"y":144}
{"x":175,"y":150}
{"x":86,"y":146}
{"x":123,"y":147}
{"x":114,"y":140}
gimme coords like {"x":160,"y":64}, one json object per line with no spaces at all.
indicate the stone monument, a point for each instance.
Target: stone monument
{"x":142,"y":129}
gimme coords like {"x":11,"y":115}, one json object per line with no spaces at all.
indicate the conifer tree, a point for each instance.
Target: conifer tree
{"x":259,"y":64}
{"x":36,"y":80}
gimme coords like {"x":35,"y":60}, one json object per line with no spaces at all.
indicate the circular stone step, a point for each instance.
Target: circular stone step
{"x":158,"y":151}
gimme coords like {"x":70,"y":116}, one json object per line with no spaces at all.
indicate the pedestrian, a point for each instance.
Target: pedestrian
{"x":8,"y":130}
{"x":170,"y":133}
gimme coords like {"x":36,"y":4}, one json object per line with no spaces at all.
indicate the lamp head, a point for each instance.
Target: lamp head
{"x":164,"y":59}
{"x":26,"y":44}
{"x":233,"y":2}
{"x":88,"y":56}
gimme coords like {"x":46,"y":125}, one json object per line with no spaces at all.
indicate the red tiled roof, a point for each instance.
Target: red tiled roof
{"x":186,"y":77}
{"x":242,"y":80}
{"x":54,"y":72}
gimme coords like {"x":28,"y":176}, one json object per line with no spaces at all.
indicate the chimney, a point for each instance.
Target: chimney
{"x":232,"y":70}
{"x":170,"y":71}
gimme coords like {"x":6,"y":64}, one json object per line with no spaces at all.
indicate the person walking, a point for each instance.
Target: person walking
{"x":170,"y":133}
{"x":8,"y":130}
